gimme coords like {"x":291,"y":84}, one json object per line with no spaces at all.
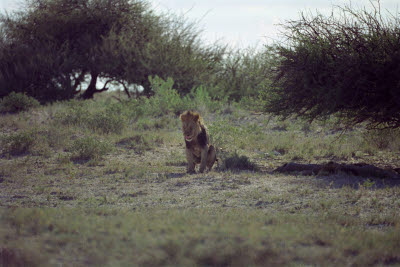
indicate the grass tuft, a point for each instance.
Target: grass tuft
{"x":238,"y":163}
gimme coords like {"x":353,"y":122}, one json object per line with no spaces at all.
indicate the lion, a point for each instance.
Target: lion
{"x":198,"y":148}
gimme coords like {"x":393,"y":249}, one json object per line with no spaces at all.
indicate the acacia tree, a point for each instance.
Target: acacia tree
{"x":57,"y":49}
{"x":52,"y":46}
{"x":173,"y":49}
{"x":346,"y":64}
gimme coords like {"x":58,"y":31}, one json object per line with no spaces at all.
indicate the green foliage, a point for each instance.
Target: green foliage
{"x":244,"y":74}
{"x":75,"y":113}
{"x":19,"y":143}
{"x":254,"y":103}
{"x":201,"y":95}
{"x":53,"y":50}
{"x":202,"y":100}
{"x":50,"y":47}
{"x":368,"y":183}
{"x":346,"y":64}
{"x":222,"y":133}
{"x":107,"y":122}
{"x":175,"y":49}
{"x":382,"y":139}
{"x":89,"y":148}
{"x":17,"y":102}
{"x":166,"y":99}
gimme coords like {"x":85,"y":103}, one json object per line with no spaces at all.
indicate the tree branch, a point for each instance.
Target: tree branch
{"x":105,"y":88}
{"x":78,"y":81}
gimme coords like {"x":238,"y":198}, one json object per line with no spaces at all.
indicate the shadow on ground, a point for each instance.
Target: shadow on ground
{"x":338,"y":175}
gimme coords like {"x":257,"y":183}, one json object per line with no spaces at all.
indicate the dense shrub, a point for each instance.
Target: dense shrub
{"x":111,"y":120}
{"x":167,"y":100}
{"x":110,"y":117}
{"x":346,"y":64}
{"x":244,"y":74}
{"x":75,"y":113}
{"x":16,"y":102}
{"x":235,"y":162}
{"x":202,"y":100}
{"x":89,"y":148}
{"x":382,"y":139}
{"x":18,"y":143}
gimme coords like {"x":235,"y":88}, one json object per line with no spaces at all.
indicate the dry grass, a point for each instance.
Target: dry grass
{"x":135,"y":205}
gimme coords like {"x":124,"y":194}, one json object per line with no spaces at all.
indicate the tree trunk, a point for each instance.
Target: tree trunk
{"x":92,"y":89}
{"x":147,"y":91}
{"x":78,"y":82}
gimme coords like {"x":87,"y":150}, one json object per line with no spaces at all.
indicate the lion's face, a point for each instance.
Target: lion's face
{"x":190,"y":125}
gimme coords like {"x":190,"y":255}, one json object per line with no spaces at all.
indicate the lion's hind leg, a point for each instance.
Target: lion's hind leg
{"x":211,"y":157}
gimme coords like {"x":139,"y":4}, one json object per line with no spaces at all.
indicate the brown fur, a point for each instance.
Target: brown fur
{"x":198,"y":148}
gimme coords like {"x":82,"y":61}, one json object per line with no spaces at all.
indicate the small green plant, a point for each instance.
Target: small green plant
{"x":18,"y":143}
{"x":203,"y":101}
{"x":166,"y":99}
{"x":368,"y":183}
{"x":17,"y":102}
{"x":238,"y":163}
{"x":89,"y":148}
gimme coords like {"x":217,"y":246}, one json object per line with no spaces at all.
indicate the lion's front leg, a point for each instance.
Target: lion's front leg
{"x":203,"y":162}
{"x":190,"y":160}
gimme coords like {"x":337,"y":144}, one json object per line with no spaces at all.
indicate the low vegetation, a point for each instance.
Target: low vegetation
{"x":16,"y":102}
{"x":18,"y":143}
{"x":104,"y":182}
{"x":235,"y":162}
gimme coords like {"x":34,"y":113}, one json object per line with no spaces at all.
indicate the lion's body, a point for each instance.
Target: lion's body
{"x":198,"y":148}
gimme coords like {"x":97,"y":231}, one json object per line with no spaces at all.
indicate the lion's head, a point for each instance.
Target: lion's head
{"x":191,"y":124}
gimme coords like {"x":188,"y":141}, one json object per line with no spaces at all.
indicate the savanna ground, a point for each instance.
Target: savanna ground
{"x":104,"y":183}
